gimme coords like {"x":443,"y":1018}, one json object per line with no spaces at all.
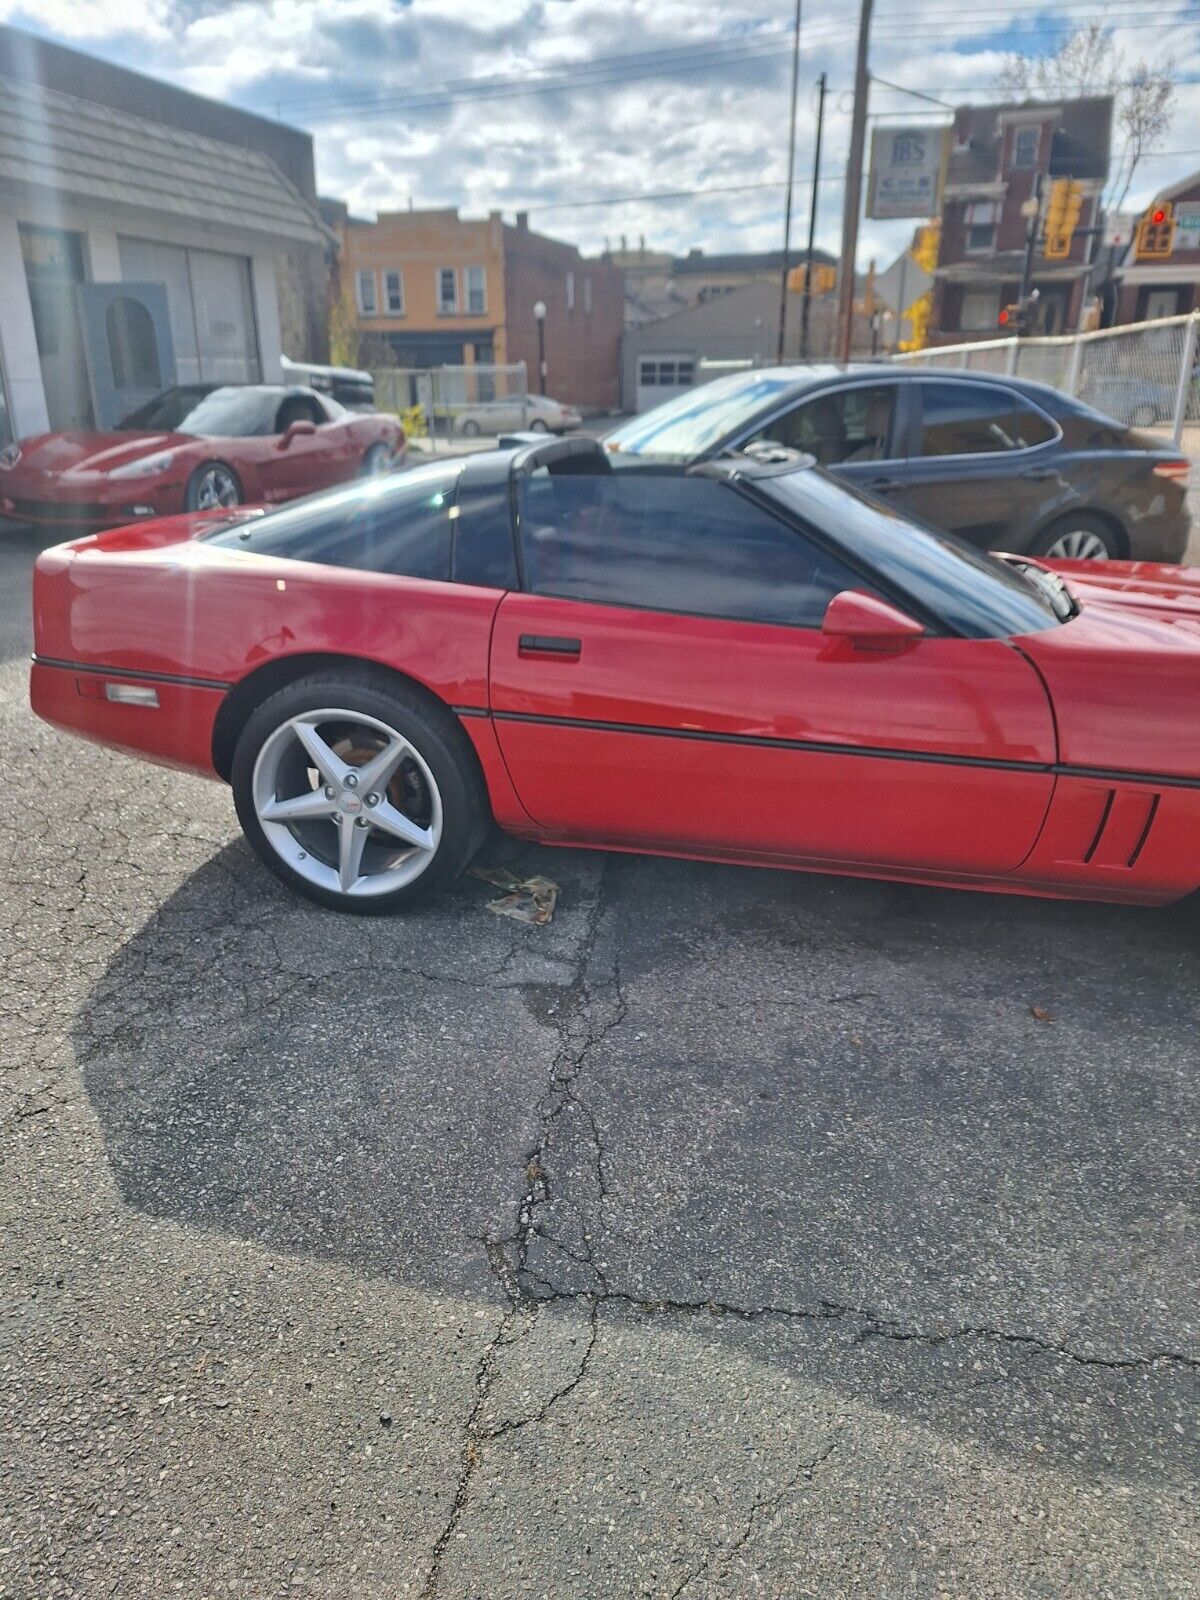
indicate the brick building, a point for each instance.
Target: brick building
{"x":443,"y":290}
{"x":998,"y":154}
{"x":1150,"y":289}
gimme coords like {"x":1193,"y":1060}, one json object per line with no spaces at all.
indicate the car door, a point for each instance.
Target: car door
{"x":986,"y":462}
{"x":857,"y":428}
{"x":662,"y":681}
{"x":308,"y":461}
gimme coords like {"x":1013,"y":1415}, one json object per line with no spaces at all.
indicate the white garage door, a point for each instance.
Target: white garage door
{"x":660,"y":377}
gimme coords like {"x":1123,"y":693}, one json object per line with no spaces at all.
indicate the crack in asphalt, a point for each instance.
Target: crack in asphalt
{"x":580,"y":1030}
{"x":762,"y":1505}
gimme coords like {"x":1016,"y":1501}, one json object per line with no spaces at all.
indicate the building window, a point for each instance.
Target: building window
{"x":1026,"y":144}
{"x":447,"y":287}
{"x":6,"y":423}
{"x":368,"y":304}
{"x":132,"y":345}
{"x":570,"y":291}
{"x":980,"y":310}
{"x":665,"y":372}
{"x":587,"y":296}
{"x":393,"y":292}
{"x":980,"y":230}
{"x":210,"y":304}
{"x":476,"y":290}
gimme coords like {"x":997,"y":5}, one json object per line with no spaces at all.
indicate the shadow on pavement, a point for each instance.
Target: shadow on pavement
{"x":930,"y":1148}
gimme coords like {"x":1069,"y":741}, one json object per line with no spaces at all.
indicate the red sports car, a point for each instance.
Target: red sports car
{"x":195,"y":448}
{"x":743,"y":661}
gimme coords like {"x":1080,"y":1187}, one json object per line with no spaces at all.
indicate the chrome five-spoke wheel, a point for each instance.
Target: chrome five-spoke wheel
{"x":347,"y":802}
{"x":213,"y":487}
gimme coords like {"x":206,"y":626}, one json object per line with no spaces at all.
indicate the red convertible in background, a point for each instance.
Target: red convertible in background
{"x":744,"y":661}
{"x":198,"y":447}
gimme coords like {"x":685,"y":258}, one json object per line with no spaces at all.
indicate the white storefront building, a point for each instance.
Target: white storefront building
{"x":132,"y":255}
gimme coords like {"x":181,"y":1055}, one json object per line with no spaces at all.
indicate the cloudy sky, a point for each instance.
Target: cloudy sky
{"x":600,"y":100}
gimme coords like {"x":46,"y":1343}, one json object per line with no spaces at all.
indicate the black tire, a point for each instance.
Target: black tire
{"x":428,"y":726}
{"x":470,"y":429}
{"x":1143,"y":416}
{"x":538,"y":425}
{"x":194,"y":492}
{"x":1084,"y":525}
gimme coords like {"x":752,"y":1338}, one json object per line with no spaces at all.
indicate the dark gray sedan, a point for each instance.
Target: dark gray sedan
{"x":1006,"y":464}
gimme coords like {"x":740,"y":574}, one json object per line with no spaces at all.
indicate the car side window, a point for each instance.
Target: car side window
{"x":669,"y":543}
{"x":404,"y":526}
{"x":839,"y":428}
{"x":298,"y":408}
{"x":974,"y":419}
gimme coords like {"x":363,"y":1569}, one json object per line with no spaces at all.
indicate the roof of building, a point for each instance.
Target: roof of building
{"x":696,"y":261}
{"x":54,"y":141}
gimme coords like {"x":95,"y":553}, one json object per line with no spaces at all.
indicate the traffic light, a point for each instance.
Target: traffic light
{"x":1019,"y":316}
{"x":1156,"y":233}
{"x":824,"y":278}
{"x":1063,"y":206}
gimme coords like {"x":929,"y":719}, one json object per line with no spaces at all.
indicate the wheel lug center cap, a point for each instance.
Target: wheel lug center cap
{"x":349,"y":803}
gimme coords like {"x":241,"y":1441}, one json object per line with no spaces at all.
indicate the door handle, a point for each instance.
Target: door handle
{"x":548,"y":644}
{"x":1040,"y":474}
{"x":883,"y":483}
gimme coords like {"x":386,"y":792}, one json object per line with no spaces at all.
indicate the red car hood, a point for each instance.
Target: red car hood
{"x":55,"y":454}
{"x":1124,"y":675}
{"x":1169,"y":592}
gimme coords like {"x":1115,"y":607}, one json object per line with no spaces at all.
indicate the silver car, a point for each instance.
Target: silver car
{"x":516,"y":413}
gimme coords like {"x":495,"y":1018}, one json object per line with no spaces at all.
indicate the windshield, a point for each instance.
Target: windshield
{"x":977,"y":594}
{"x":693,"y":422}
{"x":233,"y":412}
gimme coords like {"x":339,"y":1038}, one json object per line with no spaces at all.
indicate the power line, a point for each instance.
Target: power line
{"x":655,"y":196}
{"x":719,"y":52}
{"x":676,"y":58}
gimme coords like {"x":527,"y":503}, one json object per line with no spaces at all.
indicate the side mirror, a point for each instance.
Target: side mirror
{"x":297,"y":430}
{"x":868,"y":623}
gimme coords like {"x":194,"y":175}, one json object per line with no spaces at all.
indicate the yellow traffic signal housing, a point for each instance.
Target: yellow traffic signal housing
{"x":1063,"y":208}
{"x":824,"y":278}
{"x":1155,"y":239}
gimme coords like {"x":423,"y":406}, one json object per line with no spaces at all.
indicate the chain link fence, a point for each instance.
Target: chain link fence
{"x":457,"y":402}
{"x":1144,"y":375}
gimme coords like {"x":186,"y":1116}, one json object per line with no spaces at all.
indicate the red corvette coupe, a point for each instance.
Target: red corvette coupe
{"x":195,"y":448}
{"x":744,"y":661}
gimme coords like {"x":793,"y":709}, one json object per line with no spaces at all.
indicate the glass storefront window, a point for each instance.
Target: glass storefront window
{"x":6,"y":426}
{"x":210,"y":305}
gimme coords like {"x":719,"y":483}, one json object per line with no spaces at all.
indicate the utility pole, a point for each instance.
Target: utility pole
{"x":822,"y":87}
{"x":1031,"y":233}
{"x":787,"y":204}
{"x":854,"y":166}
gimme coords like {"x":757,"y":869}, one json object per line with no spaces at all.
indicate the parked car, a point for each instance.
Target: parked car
{"x":192,"y":448}
{"x":749,"y":661}
{"x":1137,"y":402}
{"x":516,"y":413}
{"x":1006,"y":464}
{"x":350,"y":387}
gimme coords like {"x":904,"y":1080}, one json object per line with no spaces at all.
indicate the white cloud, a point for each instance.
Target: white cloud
{"x":339,"y":66}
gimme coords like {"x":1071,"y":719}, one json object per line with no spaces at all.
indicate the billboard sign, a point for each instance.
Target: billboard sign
{"x":1187,"y":225}
{"x":908,"y":168}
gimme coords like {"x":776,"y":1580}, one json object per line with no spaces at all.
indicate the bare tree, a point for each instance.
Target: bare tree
{"x":1088,"y":62}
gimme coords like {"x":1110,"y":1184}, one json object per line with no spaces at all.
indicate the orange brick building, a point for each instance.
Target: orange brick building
{"x":445,"y":290}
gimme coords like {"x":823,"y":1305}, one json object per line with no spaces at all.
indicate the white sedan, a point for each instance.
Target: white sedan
{"x":517,"y":413}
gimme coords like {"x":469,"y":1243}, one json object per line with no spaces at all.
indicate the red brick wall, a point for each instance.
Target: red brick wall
{"x":583,"y":349}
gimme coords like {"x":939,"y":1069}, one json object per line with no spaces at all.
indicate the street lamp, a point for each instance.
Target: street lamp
{"x":539,"y":316}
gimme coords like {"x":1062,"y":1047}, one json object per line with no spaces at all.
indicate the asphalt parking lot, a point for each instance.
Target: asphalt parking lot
{"x":739,"y":1234}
